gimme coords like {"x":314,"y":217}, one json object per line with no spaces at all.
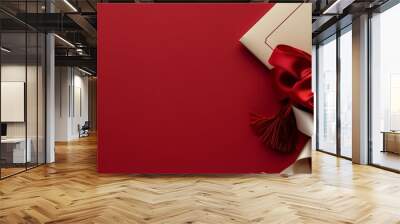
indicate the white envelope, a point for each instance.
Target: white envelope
{"x":285,"y":23}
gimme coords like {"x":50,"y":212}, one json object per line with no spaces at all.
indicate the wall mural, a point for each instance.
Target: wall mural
{"x":204,"y":88}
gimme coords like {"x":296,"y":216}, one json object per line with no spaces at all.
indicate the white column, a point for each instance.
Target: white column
{"x":50,"y":98}
{"x":360,"y":90}
{"x":63,"y":99}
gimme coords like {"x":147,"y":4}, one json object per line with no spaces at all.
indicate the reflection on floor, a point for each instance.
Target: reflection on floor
{"x":346,"y":152}
{"x":11,"y":169}
{"x":71,"y":191}
{"x":387,"y":159}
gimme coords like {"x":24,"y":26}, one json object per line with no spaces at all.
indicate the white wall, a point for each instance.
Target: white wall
{"x":81,"y":98}
{"x":16,"y":73}
{"x":9,"y":73}
{"x":71,"y":102}
{"x":62,"y":81}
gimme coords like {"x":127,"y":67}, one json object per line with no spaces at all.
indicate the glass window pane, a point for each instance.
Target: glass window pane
{"x":327,"y":96}
{"x":346,"y":94}
{"x":385,"y":89}
{"x":32,"y":88}
{"x":14,"y":153}
{"x":32,"y":95}
{"x":22,"y":89}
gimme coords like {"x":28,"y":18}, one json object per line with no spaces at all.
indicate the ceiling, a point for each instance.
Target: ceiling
{"x":75,"y":22}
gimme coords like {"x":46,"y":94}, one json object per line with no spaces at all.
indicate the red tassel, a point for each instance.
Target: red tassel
{"x":278,"y":132}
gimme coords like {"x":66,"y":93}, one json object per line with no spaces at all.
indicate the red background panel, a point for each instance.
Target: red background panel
{"x":175,"y":89}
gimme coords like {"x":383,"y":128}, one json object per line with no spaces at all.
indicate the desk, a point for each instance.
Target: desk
{"x":391,"y":141}
{"x":13,"y":150}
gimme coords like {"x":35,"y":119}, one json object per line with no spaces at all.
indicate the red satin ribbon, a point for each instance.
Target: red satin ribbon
{"x":292,"y":76}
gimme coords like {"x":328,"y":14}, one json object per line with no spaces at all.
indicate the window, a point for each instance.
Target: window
{"x":345,"y":92}
{"x":385,"y":89}
{"x":334,"y":94}
{"x":327,"y":96}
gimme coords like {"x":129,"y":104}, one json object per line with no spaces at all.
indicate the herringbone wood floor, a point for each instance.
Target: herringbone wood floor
{"x":71,"y":191}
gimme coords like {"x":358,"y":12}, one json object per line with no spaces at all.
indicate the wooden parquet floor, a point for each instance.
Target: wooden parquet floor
{"x":71,"y":191}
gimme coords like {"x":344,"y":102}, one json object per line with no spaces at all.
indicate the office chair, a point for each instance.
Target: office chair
{"x":84,"y":130}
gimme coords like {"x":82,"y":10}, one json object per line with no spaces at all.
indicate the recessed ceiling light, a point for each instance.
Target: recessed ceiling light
{"x":5,"y":50}
{"x":70,"y":5}
{"x":64,"y":40}
{"x":337,"y":7}
{"x":84,"y":71}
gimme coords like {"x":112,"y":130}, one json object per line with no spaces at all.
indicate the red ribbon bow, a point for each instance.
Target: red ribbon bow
{"x":292,"y":73}
{"x":292,"y":78}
